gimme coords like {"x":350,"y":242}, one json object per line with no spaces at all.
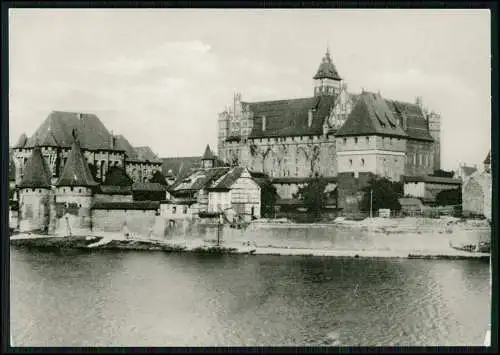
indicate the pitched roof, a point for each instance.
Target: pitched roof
{"x":483,"y":178}
{"x":36,"y":173}
{"x":146,"y":154}
{"x":115,"y":190}
{"x":487,"y":160}
{"x":117,"y":176}
{"x":416,"y":123}
{"x":136,"y":205}
{"x":21,"y":141}
{"x":432,"y":179}
{"x":285,"y":118}
{"x":226,"y":181}
{"x":327,"y":69}
{"x":57,"y":128}
{"x":467,"y":170}
{"x":76,"y":172}
{"x":148,"y":186}
{"x":123,"y":144}
{"x":158,"y":178}
{"x":208,"y":155}
{"x":371,"y":115}
{"x":180,"y":166}
{"x":199,"y":179}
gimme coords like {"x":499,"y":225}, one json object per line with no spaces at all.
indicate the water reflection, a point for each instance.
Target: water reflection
{"x":156,"y":299}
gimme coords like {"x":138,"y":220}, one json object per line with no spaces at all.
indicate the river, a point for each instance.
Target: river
{"x":127,"y":298}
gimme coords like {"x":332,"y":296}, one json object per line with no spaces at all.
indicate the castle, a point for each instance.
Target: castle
{"x":101,"y":149}
{"x":330,"y":133}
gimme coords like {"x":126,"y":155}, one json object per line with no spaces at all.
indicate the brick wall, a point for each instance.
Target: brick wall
{"x":112,"y":198}
{"x":349,"y":190}
{"x":34,"y":209}
{"x":140,"y":222}
{"x":419,"y":158}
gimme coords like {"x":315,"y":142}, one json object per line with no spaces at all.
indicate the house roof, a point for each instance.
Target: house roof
{"x":36,"y":173}
{"x":158,"y":178}
{"x":180,"y":166}
{"x":117,"y":176}
{"x":208,"y":155}
{"x":146,"y":154}
{"x":371,"y":115}
{"x":416,"y":123}
{"x":56,"y":130}
{"x":123,"y":144}
{"x":115,"y":190}
{"x":285,"y":118}
{"x":327,"y":69}
{"x":299,"y":180}
{"x":21,"y":141}
{"x":483,"y":178}
{"x":487,"y":160}
{"x":136,"y":205}
{"x":409,"y":201}
{"x":148,"y":186}
{"x":432,"y":179}
{"x":467,"y":170}
{"x":227,"y":180}
{"x":76,"y":172}
{"x":200,"y":179}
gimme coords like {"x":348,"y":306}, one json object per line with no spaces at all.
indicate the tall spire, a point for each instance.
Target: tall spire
{"x":327,"y":69}
{"x":37,"y":173}
{"x":76,"y":172}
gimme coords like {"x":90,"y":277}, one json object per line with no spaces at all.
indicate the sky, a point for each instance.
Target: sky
{"x":160,"y":77}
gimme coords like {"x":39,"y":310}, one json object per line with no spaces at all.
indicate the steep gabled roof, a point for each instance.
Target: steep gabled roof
{"x":146,"y":154}
{"x":21,"y":142}
{"x":36,"y":173}
{"x":57,"y":130}
{"x":123,"y":144}
{"x":286,"y":118}
{"x":327,"y":69}
{"x":467,"y":170}
{"x":199,"y":179}
{"x":228,"y":180}
{"x":117,"y":176}
{"x":208,"y":155}
{"x":416,"y":123}
{"x":371,"y":116}
{"x":180,"y":166}
{"x":76,"y":172}
{"x":487,"y":160}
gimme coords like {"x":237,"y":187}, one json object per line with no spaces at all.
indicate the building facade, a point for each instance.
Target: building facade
{"x":330,"y":132}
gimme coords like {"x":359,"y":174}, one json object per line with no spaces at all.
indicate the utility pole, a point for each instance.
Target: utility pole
{"x":371,"y":203}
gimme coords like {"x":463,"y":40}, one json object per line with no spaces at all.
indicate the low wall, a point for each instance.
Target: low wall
{"x":137,"y":222}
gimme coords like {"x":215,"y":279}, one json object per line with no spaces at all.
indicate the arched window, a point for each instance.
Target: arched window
{"x":362,"y":162}
{"x":350,"y":162}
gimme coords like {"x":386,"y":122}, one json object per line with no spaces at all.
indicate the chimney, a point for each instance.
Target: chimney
{"x":309,"y":118}
{"x":263,"y":123}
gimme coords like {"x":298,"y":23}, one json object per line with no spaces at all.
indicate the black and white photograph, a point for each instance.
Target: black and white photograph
{"x":252,"y":177}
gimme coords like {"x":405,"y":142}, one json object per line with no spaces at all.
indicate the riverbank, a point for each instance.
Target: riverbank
{"x":91,"y":243}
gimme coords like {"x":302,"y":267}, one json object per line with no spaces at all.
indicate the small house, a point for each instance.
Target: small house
{"x":476,"y":195}
{"x":428,"y":187}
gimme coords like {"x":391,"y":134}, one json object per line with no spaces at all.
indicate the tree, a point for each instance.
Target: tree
{"x":381,"y":193}
{"x":313,"y":195}
{"x":269,"y":196}
{"x":449,"y":197}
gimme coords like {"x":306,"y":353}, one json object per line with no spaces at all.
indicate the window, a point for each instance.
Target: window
{"x":185,"y":210}
{"x":345,"y":140}
{"x":367,"y":139}
{"x":355,"y":140}
{"x":79,"y":190}
{"x":174,"y":209}
{"x":350,"y":162}
{"x":362,"y":162}
{"x":414,"y":159}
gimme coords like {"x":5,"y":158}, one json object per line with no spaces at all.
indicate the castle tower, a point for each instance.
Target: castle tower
{"x":327,"y":80}
{"x":222,"y":132}
{"x":208,"y":159}
{"x":34,"y":194}
{"x":434,"y":122}
{"x":74,"y":191}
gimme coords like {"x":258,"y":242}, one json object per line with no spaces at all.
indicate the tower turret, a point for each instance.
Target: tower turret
{"x":208,"y":159}
{"x":74,"y":191}
{"x":327,"y":80}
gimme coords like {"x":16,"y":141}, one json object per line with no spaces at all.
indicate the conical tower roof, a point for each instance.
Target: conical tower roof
{"x":208,"y":155}
{"x":76,"y":172}
{"x":21,"y":142}
{"x":36,"y":173}
{"x":327,"y":69}
{"x":487,"y":160}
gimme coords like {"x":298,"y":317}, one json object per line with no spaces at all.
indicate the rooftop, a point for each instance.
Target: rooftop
{"x":36,"y":173}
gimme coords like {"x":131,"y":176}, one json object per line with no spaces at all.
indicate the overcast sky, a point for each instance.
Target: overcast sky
{"x":160,"y":77}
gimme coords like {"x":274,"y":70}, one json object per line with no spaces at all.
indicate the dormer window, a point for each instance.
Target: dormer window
{"x":263,"y":123}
